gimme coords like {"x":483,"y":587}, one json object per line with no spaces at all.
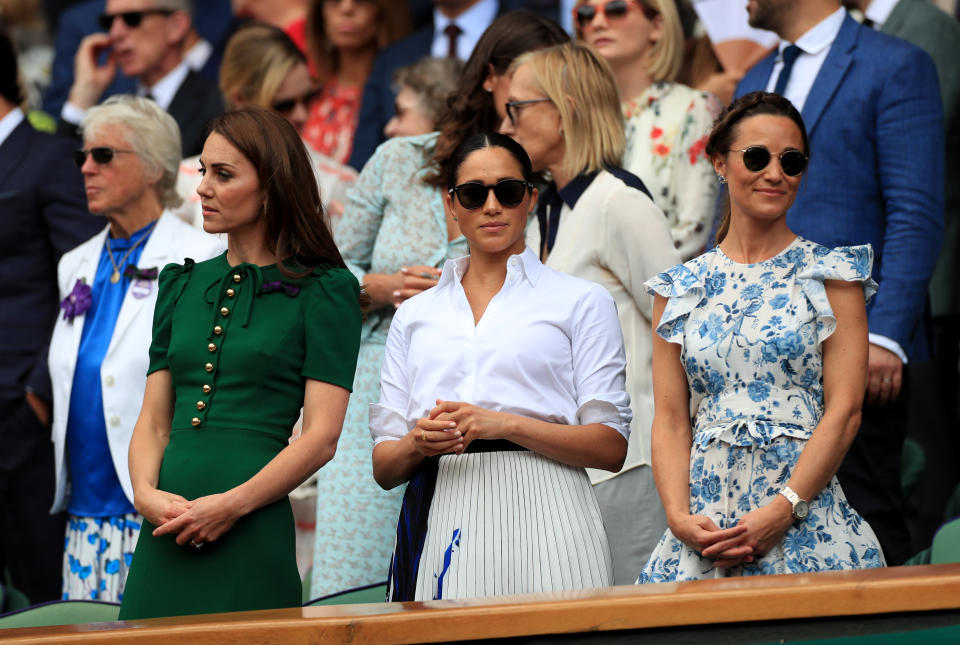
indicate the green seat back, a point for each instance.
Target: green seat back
{"x":362,"y":595}
{"x":64,"y":612}
{"x":946,"y":543}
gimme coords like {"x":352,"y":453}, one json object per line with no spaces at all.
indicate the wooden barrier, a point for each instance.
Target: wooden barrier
{"x":612,"y":613}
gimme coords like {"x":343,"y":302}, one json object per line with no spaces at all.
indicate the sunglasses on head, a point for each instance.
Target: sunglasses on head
{"x":473,"y":194}
{"x":129,"y":18}
{"x":100,"y":154}
{"x":756,"y":158}
{"x":286,"y":106}
{"x":612,"y":10}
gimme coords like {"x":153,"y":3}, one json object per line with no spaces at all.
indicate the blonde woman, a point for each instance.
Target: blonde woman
{"x":598,"y":222}
{"x":262,"y":66}
{"x":666,"y":122}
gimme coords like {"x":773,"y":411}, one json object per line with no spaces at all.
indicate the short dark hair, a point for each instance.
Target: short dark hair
{"x":725,"y":131}
{"x":9,"y":72}
{"x":293,"y":211}
{"x":484,"y":140}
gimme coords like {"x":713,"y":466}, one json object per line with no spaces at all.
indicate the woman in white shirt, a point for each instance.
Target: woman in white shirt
{"x":598,"y":222}
{"x":499,"y":386}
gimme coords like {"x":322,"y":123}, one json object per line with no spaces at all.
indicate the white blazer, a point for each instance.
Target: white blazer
{"x":123,"y":374}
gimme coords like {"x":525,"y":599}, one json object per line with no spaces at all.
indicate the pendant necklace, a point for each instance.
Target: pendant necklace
{"x":115,"y":276}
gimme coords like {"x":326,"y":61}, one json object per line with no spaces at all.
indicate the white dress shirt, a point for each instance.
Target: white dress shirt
{"x":879,"y":11}
{"x":472,"y":22}
{"x":162,"y":92}
{"x":815,"y":45}
{"x":9,"y":123}
{"x":548,"y":347}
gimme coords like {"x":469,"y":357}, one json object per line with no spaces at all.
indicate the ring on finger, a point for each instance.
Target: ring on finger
{"x":423,"y":435}
{"x":196,"y":545}
{"x":886,"y":380}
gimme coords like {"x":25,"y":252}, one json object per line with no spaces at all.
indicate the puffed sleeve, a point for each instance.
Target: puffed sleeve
{"x":683,"y":291}
{"x":332,"y":323}
{"x":846,"y":263}
{"x":170,"y":285}
{"x":599,"y":363}
{"x":388,"y":416}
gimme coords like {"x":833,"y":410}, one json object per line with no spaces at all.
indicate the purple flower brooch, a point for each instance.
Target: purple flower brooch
{"x":77,"y":301}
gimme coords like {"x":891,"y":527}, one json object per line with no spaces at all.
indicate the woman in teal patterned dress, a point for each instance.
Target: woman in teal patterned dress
{"x":764,"y":339}
{"x":394,"y":236}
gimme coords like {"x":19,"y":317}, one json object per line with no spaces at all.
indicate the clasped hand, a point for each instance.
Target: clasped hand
{"x":204,"y":519}
{"x":452,"y":425}
{"x":756,"y":533}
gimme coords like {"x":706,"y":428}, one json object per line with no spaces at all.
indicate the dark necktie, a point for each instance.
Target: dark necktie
{"x":790,"y":55}
{"x":869,"y":24}
{"x":453,"y":32}
{"x":548,"y":213}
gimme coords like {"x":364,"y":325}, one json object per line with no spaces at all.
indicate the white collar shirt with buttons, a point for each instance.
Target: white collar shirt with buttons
{"x":9,"y":123}
{"x":473,"y":22}
{"x":814,"y":46}
{"x":166,"y":88}
{"x":548,"y":347}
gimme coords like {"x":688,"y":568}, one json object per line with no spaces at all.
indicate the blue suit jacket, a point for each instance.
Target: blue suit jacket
{"x":876,"y":174}
{"x":44,"y":214}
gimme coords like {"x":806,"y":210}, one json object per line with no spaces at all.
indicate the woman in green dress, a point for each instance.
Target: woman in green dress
{"x":240,"y":343}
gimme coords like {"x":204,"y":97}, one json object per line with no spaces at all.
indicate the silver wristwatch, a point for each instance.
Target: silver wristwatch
{"x":800,"y":507}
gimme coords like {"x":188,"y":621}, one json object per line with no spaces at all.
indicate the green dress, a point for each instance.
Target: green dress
{"x":240,"y":343}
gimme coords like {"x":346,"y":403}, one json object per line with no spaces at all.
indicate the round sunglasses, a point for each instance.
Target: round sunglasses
{"x":100,"y":154}
{"x":756,"y":158}
{"x":612,"y":10}
{"x":473,"y":194}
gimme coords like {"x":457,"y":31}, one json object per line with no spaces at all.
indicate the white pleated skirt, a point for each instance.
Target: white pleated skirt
{"x":511,"y":522}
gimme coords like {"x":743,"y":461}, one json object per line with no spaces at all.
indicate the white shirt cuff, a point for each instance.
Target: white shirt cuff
{"x":889,"y":344}
{"x":72,"y":114}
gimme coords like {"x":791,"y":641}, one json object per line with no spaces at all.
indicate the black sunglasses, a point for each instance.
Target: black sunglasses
{"x":130,"y":18}
{"x":585,"y":13}
{"x":100,"y":154}
{"x":756,"y":158}
{"x":513,"y":107}
{"x":287,"y":106}
{"x":473,"y":194}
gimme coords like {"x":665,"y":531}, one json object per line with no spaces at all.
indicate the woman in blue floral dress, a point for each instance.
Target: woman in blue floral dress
{"x":763,"y":340}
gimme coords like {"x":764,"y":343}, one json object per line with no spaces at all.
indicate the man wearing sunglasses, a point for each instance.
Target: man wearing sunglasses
{"x":146,"y":40}
{"x":871,"y":104}
{"x":44,"y":215}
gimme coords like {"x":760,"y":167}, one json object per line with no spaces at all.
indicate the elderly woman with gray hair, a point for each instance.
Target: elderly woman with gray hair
{"x":99,"y":349}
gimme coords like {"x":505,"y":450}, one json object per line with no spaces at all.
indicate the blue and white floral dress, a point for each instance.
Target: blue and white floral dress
{"x":751,"y":338}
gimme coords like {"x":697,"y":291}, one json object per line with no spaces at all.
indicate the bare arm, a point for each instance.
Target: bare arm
{"x":211,"y":516}
{"x":150,"y":437}
{"x":844,"y":382}
{"x":671,"y":439}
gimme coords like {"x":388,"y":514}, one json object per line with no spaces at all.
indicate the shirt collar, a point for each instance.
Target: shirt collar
{"x":879,"y":11}
{"x":198,"y":55}
{"x":9,"y":123}
{"x":571,"y":193}
{"x":473,"y":21}
{"x":166,"y":88}
{"x":820,"y":36}
{"x":527,"y":263}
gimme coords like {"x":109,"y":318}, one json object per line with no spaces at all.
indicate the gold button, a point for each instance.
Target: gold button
{"x":201,"y":405}
{"x":224,"y":312}
{"x":231,"y":293}
{"x":208,"y":367}
{"x":207,"y":389}
{"x":237,"y":277}
{"x":195,"y":421}
{"x":212,"y":347}
{"x":218,"y":330}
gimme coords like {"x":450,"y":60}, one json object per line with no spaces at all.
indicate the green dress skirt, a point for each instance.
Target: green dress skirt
{"x":240,"y":343}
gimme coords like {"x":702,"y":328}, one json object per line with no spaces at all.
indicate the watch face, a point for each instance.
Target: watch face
{"x":801,"y":509}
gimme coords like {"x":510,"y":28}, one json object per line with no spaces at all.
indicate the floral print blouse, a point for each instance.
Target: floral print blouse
{"x":667,"y":128}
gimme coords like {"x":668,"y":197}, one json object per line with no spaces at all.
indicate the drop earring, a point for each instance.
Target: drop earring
{"x":721,"y":179}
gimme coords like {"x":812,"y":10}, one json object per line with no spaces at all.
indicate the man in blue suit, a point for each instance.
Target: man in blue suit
{"x":871,"y":104}
{"x":44,"y":214}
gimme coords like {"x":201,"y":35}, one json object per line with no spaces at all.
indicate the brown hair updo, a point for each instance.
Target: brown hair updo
{"x":725,"y":131}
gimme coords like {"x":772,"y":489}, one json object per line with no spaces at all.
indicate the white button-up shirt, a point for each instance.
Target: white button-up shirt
{"x":473,"y":22}
{"x":548,"y":347}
